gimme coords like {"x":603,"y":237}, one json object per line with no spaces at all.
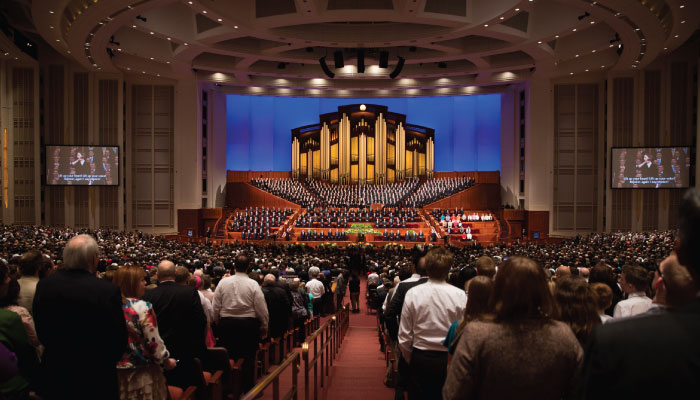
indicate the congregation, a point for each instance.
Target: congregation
{"x":171,"y":300}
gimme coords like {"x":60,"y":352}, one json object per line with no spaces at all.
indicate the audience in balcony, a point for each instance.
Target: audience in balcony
{"x":436,"y":189}
{"x":288,"y":189}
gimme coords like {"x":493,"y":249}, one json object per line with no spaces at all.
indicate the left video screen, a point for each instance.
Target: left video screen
{"x":82,"y":165}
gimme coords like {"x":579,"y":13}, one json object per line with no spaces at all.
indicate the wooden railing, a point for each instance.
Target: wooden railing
{"x":326,"y":342}
{"x":274,"y":379}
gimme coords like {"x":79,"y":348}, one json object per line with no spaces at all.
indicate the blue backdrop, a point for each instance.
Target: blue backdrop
{"x":467,"y":128}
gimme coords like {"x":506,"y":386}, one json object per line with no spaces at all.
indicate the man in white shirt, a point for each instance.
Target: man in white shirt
{"x":633,"y":281}
{"x":241,"y":313}
{"x":316,"y":288}
{"x":428,"y":311}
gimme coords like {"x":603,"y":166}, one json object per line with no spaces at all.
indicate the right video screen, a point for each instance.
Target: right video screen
{"x":650,"y":167}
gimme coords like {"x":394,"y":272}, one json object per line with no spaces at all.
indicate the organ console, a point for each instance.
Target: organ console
{"x":362,"y":144}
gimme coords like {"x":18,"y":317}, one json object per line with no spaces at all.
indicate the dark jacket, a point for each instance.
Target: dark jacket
{"x":279,"y":308}
{"x":392,"y":315}
{"x":80,"y":322}
{"x":182,"y":325}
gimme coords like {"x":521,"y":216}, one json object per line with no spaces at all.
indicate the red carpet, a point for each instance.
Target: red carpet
{"x":358,"y":371}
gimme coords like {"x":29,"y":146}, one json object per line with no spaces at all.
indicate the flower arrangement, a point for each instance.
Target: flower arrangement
{"x":363,"y":229}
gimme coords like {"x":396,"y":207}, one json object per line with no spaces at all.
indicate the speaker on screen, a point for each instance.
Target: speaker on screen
{"x":325,"y":68}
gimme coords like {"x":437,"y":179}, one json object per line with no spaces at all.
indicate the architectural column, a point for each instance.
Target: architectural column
{"x":344,"y":150}
{"x":309,"y":163}
{"x":380,"y":150}
{"x":325,"y":152}
{"x":295,"y":158}
{"x":362,"y":167}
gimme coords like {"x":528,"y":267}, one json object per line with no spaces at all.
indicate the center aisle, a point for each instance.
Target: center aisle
{"x":358,"y":372}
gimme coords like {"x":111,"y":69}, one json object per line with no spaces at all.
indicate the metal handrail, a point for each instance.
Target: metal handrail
{"x":331,"y":335}
{"x":274,"y":379}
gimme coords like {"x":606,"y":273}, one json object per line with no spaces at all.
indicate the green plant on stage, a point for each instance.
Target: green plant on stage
{"x":362,"y":228}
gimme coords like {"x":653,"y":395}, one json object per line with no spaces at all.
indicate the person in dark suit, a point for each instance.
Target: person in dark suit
{"x":655,"y":355}
{"x":181,"y":322}
{"x":80,"y":322}
{"x":278,"y":306}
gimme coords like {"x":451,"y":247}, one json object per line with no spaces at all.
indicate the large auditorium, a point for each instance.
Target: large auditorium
{"x":349,"y":199}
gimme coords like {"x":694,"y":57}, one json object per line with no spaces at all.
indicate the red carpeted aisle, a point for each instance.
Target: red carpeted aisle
{"x":358,"y":372}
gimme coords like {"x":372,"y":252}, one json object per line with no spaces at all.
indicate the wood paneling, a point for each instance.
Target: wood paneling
{"x":538,"y":221}
{"x":188,"y":219}
{"x":482,"y":196}
{"x":242,"y":195}
{"x":479,"y":176}
{"x":247,"y":176}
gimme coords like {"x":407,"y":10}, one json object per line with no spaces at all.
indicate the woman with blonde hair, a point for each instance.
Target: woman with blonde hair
{"x":139,"y":370}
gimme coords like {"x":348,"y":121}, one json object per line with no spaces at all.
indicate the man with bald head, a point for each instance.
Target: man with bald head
{"x":79,"y":321}
{"x":181,"y":322}
{"x":278,"y":306}
{"x":561,"y":272}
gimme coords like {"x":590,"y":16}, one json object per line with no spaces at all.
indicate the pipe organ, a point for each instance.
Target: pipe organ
{"x":362,"y":144}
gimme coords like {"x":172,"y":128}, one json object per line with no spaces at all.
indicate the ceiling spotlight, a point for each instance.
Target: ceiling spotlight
{"x":593,"y":51}
{"x":571,"y":73}
{"x":577,"y":55}
{"x":153,"y":33}
{"x":517,"y":9}
{"x":503,"y":18}
{"x":486,"y":25}
{"x":637,"y":30}
{"x":51,"y":12}
{"x":204,"y":11}
{"x":584,"y":15}
{"x":133,"y":26}
{"x":681,"y":6}
{"x":189,"y":2}
{"x":169,"y":39}
{"x":676,"y":36}
{"x":186,"y":44}
{"x":592,"y":22}
{"x":539,"y":42}
{"x":363,"y":107}
{"x":235,"y":27}
{"x":51,"y":26}
{"x":586,"y":70}
{"x":573,"y":30}
{"x":556,"y":36}
{"x":152,"y":58}
{"x":683,"y":22}
{"x":167,"y":62}
{"x":219,"y":19}
{"x":620,"y":49}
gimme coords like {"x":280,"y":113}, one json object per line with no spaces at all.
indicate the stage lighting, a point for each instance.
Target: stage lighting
{"x":383,"y":59}
{"x":325,"y":68}
{"x":338,"y":57}
{"x":361,"y":61}
{"x":399,"y":67}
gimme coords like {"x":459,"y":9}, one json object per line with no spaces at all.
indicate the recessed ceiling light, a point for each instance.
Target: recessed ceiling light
{"x":51,"y":12}
{"x":634,"y":66}
{"x":573,"y":30}
{"x":94,"y":65}
{"x":151,"y":58}
{"x":586,"y":70}
{"x":58,"y":40}
{"x":128,"y":68}
{"x":556,"y":36}
{"x":189,"y":2}
{"x":637,"y":30}
{"x":133,"y":26}
{"x":129,"y":7}
{"x":611,"y":45}
{"x":683,"y":22}
{"x":539,"y":42}
{"x":676,"y":36}
{"x":637,"y":61}
{"x":68,"y":51}
{"x":204,"y":11}
{"x":143,"y":72}
{"x":665,"y":48}
{"x":119,"y":49}
{"x":235,"y":27}
{"x":167,"y":62}
{"x":169,"y":39}
{"x":486,"y":25}
{"x":602,"y":66}
{"x":517,"y":9}
{"x":642,"y":53}
{"x":682,"y":5}
{"x":593,"y":51}
{"x":219,"y":19}
{"x":571,"y":73}
{"x":101,"y":23}
{"x":592,"y":22}
{"x":152,"y":33}
{"x":576,"y":55}
{"x":503,"y":17}
{"x":186,"y":44}
{"x":51,"y":26}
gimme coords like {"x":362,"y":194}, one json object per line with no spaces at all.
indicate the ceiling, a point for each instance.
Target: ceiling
{"x":449,"y":46}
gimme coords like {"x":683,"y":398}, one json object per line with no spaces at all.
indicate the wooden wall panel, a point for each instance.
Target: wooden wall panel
{"x":247,"y":176}
{"x":242,"y":195}
{"x":538,"y":221}
{"x":482,"y":196}
{"x":188,"y":219}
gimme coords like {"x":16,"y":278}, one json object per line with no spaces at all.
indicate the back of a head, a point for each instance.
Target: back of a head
{"x":680,"y":288}
{"x":485,"y":266}
{"x":521,"y":293}
{"x":577,"y":305}
{"x":182,"y":274}
{"x":166,"y":270}
{"x":242,"y":263}
{"x":269,"y":280}
{"x":689,"y":232}
{"x":637,"y":276}
{"x":604,"y":295}
{"x":80,"y":253}
{"x":601,"y":273}
{"x":480,"y":289}
{"x":438,"y":262}
{"x":405,"y":271}
{"x":420,"y":267}
{"x":314,"y":272}
{"x":30,"y":263}
{"x":128,"y":278}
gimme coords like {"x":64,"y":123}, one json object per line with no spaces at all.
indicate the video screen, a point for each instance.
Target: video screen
{"x":651,"y":167}
{"x":82,"y":165}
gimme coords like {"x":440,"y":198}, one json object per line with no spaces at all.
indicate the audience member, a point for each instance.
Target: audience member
{"x":479,"y":291}
{"x":603,"y":300}
{"x":427,"y":313}
{"x":29,"y":266}
{"x":634,"y":282}
{"x":139,"y":370}
{"x":181,"y":323}
{"x":540,"y":356}
{"x":673,"y":285}
{"x":80,"y":322}
{"x":577,"y":306}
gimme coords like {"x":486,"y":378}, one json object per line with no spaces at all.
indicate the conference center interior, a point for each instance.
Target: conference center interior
{"x":349,"y":199}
